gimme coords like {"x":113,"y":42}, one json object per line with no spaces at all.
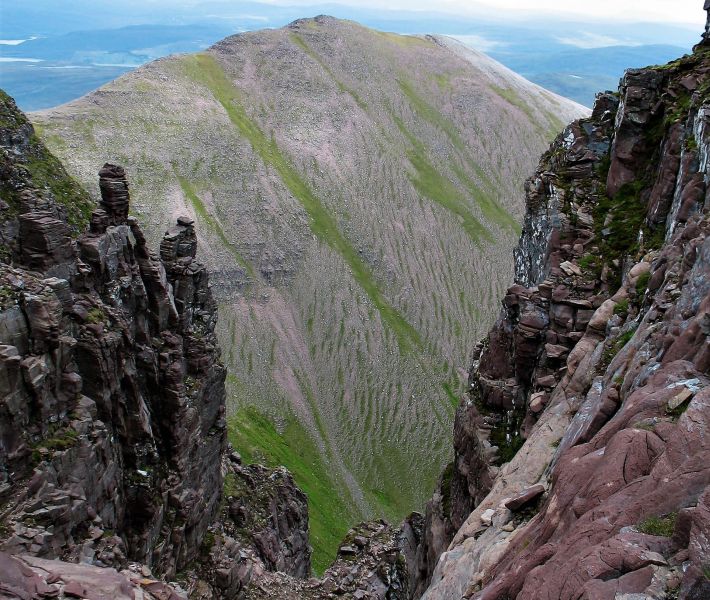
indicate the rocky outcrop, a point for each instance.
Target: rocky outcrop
{"x":113,"y":476}
{"x":581,"y":461}
{"x":373,"y":563}
{"x":262,"y":527}
{"x":113,"y":411}
{"x":544,"y":317}
{"x":28,"y":577}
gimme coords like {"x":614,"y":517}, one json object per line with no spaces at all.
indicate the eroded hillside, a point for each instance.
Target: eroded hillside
{"x":357,"y":197}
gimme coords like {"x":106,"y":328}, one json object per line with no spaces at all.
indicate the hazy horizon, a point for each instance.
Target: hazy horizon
{"x":52,"y":52}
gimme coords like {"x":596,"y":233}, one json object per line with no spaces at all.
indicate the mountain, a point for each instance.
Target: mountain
{"x":54,"y":54}
{"x":356,"y":195}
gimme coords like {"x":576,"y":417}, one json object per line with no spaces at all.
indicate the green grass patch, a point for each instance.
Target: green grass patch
{"x":512,"y":98}
{"x":618,"y":222}
{"x":254,"y":436}
{"x":660,"y":526}
{"x":204,"y":69}
{"x":443,"y":80}
{"x":642,"y":283}
{"x":432,"y":184}
{"x":627,"y":214}
{"x":426,"y":111}
{"x":230,"y":486}
{"x":388,"y":495}
{"x":58,"y":441}
{"x":47,"y":174}
{"x":212,"y":224}
{"x":406,"y":41}
{"x":491,"y":210}
{"x":95,"y":315}
{"x":453,"y":398}
{"x":557,"y":124}
{"x":613,"y":347}
{"x":430,"y":181}
{"x":592,"y":266}
{"x":446,"y":479}
{"x":622,"y":307}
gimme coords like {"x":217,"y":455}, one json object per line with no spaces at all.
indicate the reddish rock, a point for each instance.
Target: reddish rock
{"x":526,"y":497}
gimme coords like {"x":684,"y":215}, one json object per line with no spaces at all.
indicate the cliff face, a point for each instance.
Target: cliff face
{"x":582,"y":465}
{"x":112,"y":402}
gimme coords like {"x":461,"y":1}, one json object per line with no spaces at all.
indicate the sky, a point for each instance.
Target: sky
{"x":677,"y":11}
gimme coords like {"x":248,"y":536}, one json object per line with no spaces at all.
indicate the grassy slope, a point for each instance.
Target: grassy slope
{"x":358,"y":171}
{"x":44,"y":170}
{"x":205,"y":69}
{"x":210,"y":221}
{"x":259,"y":441}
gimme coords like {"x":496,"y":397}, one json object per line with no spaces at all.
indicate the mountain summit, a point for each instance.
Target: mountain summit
{"x":357,"y":194}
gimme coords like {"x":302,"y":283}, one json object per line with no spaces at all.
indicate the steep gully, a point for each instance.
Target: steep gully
{"x":581,"y":457}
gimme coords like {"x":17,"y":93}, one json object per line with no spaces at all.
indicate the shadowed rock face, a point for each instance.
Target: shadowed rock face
{"x":113,"y":411}
{"x":582,"y":464}
{"x":112,"y":401}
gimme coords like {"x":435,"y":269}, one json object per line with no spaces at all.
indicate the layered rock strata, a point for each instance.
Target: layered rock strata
{"x":112,"y":402}
{"x":112,"y":422}
{"x":582,"y":468}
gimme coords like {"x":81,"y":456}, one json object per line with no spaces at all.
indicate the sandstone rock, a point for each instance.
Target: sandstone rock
{"x":487,"y":517}
{"x":679,"y":398}
{"x":620,"y":443}
{"x":537,"y":402}
{"x":526,"y":497}
{"x":114,"y":193}
{"x":570,"y":268}
{"x":83,"y":349}
{"x":26,"y":577}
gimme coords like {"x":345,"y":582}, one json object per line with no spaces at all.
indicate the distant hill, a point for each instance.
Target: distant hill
{"x":580,"y":73}
{"x":358,"y":195}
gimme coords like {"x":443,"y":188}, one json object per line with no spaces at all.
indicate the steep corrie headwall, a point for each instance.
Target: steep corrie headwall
{"x":582,"y":464}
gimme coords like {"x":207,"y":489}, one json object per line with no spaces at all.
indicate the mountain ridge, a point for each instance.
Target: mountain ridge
{"x":335,"y":171}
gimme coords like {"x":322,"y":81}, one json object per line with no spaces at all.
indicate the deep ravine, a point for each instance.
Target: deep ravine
{"x":581,"y":456}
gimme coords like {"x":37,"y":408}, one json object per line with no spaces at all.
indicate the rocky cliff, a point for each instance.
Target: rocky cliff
{"x":112,"y":403}
{"x":582,"y":465}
